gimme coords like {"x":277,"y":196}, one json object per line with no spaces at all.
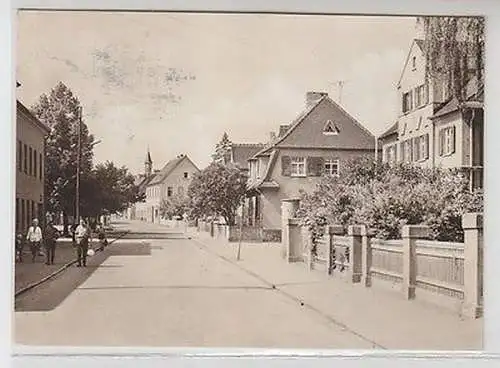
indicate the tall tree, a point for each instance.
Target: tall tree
{"x":60,"y":110}
{"x":454,"y":50}
{"x":223,"y":150}
{"x":217,"y":190}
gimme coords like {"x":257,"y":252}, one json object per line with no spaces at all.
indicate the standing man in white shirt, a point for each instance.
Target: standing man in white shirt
{"x":34,"y":238}
{"x":82,"y":237}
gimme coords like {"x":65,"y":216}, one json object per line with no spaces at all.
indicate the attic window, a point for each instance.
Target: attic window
{"x":330,"y":128}
{"x":414,"y":63}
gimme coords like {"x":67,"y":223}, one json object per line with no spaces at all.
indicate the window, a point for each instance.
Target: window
{"x":330,"y":128}
{"x":41,"y":167}
{"x":19,"y":155}
{"x":169,"y":191}
{"x":185,"y":175}
{"x":424,"y":147}
{"x":298,"y":166}
{"x":331,"y":167}
{"x":414,"y":63}
{"x":447,"y":141}
{"x":35,"y":163}
{"x":420,"y":96}
{"x":25,"y":156}
{"x":406,"y":151}
{"x":407,"y":102}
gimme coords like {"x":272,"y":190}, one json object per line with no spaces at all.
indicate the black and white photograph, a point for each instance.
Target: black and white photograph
{"x":247,"y":180}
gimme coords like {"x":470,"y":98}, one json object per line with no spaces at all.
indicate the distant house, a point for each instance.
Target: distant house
{"x":30,"y":164}
{"x":433,"y":129}
{"x":239,"y":153}
{"x":318,"y":142}
{"x":173,"y":179}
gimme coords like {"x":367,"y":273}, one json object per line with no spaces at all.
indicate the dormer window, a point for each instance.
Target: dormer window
{"x":330,"y":128}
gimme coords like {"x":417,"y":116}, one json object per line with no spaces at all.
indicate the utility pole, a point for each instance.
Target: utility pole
{"x":78,"y":158}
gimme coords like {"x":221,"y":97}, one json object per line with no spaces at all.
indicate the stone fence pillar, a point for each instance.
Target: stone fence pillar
{"x":410,"y":235}
{"x":366,"y":257}
{"x":292,"y":241}
{"x":472,"y":223}
{"x":289,"y":208}
{"x":356,"y":234}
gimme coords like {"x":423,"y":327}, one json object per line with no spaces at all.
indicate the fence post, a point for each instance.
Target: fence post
{"x":366,"y":257}
{"x":331,"y":231}
{"x":288,"y":209}
{"x":472,"y":223}
{"x":355,"y":232}
{"x":410,"y":234}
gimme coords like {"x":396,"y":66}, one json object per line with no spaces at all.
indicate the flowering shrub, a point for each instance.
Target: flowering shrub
{"x":387,"y":198}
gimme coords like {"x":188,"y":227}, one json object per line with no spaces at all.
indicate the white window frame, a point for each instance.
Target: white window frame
{"x":298,"y":166}
{"x":329,"y":165}
{"x":448,"y":141}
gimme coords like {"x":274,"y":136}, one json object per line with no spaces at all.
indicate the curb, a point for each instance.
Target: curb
{"x":58,"y":271}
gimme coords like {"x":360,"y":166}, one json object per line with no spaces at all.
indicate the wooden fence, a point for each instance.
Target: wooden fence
{"x":414,"y":264}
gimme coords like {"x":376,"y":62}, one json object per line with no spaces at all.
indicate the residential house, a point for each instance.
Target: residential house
{"x":30,"y":167}
{"x":318,"y":142}
{"x":432,"y":129}
{"x":237,"y":154}
{"x":173,"y":179}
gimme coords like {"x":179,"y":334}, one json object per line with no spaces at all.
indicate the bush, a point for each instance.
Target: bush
{"x":387,"y":198}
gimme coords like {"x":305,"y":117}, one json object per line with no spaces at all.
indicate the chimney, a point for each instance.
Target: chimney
{"x":283,"y":129}
{"x":272,"y":136}
{"x":312,"y":97}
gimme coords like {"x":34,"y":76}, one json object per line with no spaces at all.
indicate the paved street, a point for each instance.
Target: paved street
{"x":173,"y":291}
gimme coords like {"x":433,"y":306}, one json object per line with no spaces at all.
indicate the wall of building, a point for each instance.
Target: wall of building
{"x":29,"y":172}
{"x":461,"y":155}
{"x":290,"y":187}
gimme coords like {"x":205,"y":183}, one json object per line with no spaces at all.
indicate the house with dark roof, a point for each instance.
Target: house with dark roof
{"x":237,"y":154}
{"x":172,"y":180}
{"x":318,"y":142}
{"x":433,"y":129}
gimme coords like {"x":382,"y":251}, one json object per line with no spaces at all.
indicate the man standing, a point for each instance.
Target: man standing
{"x":50,"y":237}
{"x":82,"y":236}
{"x":34,"y":238}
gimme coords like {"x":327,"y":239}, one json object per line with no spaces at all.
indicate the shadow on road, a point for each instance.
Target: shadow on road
{"x":50,"y":294}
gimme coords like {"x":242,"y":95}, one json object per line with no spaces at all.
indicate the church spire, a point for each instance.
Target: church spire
{"x":148,"y":164}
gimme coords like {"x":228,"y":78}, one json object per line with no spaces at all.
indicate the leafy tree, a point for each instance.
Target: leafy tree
{"x":217,"y":190}
{"x":454,"y":50}
{"x":174,"y":206}
{"x":114,"y":189}
{"x":60,"y":110}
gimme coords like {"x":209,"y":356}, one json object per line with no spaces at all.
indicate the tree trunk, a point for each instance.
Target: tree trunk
{"x":65,"y":224}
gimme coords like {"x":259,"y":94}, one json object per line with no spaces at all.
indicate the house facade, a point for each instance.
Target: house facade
{"x":173,"y":179}
{"x":30,"y":167}
{"x":433,"y":129}
{"x":320,"y":141}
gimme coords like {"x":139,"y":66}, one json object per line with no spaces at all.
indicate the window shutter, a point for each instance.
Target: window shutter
{"x":453,"y":139}
{"x":410,"y":107}
{"x":426,"y":153}
{"x":314,"y":166}
{"x":441,"y":142}
{"x":426,"y":91}
{"x":285,"y":166}
{"x":402,"y":149}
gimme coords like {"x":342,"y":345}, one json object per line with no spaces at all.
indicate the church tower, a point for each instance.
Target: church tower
{"x":148,"y":165}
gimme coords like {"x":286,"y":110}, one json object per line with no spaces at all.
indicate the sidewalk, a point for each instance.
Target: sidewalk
{"x":376,"y":314}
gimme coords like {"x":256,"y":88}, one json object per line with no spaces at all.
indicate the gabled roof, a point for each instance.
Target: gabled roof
{"x":168,"y":168}
{"x":243,"y":151}
{"x":266,"y":181}
{"x":392,"y":130}
{"x":421,"y":45}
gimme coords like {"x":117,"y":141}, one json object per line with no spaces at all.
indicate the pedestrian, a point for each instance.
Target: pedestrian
{"x":19,"y":247}
{"x":102,"y":235}
{"x":82,"y":238}
{"x":34,"y":237}
{"x":50,"y":237}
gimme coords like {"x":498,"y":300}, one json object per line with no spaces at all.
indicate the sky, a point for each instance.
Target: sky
{"x":175,"y":82}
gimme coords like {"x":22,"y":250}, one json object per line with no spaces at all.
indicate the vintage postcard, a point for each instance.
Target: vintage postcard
{"x":217,"y":180}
